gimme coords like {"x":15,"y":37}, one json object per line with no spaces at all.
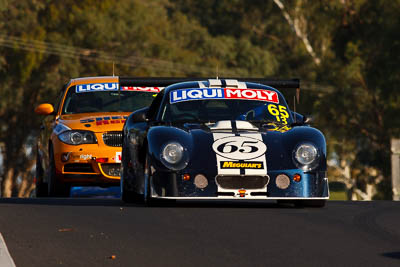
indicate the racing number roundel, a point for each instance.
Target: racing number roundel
{"x":239,"y":147}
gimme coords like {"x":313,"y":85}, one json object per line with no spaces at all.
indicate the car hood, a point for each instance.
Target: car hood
{"x":209,"y":145}
{"x":249,"y":143}
{"x":96,"y":122}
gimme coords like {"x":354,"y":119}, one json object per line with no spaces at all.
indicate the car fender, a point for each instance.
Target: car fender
{"x":158,"y":136}
{"x":286,"y":143}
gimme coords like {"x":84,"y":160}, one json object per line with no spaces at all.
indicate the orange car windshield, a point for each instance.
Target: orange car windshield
{"x":105,"y":101}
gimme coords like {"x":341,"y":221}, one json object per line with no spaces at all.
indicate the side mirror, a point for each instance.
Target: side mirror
{"x":140,"y":115}
{"x":301,"y":120}
{"x":307,"y":119}
{"x":44,"y":109}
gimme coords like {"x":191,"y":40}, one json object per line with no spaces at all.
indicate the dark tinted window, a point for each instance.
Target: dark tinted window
{"x":152,"y":113}
{"x":224,"y":109}
{"x":105,"y":101}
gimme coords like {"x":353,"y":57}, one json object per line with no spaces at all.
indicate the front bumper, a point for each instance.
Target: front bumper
{"x":88,"y":164}
{"x":173,"y":186}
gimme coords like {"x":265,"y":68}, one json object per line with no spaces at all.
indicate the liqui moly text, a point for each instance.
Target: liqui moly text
{"x":223,"y":93}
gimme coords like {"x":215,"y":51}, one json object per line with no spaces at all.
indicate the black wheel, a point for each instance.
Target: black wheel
{"x":148,"y":200}
{"x":55,"y":188}
{"x":41,"y":187}
{"x":284,"y":202}
{"x":131,"y":197}
{"x":128,"y":195}
{"x":310,"y":203}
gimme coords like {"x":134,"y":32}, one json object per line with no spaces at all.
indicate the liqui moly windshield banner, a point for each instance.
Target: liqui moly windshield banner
{"x":142,"y":89}
{"x":95,"y":87}
{"x":223,"y":93}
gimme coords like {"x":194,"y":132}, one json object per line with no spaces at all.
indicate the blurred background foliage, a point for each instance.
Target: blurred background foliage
{"x":345,"y":52}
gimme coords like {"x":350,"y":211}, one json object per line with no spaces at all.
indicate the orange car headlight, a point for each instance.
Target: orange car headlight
{"x":77,"y":137}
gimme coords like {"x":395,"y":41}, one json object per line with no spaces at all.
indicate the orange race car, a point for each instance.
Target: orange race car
{"x":80,"y":141}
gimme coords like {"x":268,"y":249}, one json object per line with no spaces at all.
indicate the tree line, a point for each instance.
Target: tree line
{"x":345,"y":52}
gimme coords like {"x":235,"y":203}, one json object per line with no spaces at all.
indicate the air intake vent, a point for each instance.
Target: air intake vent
{"x":78,"y":167}
{"x":242,"y":182}
{"x":112,"y":169}
{"x":113,"y":139}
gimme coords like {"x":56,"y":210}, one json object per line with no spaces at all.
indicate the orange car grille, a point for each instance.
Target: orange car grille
{"x":113,"y":139}
{"x":78,"y":167}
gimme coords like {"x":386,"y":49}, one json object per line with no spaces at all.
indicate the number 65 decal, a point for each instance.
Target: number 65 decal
{"x":239,"y":147}
{"x":279,"y":112}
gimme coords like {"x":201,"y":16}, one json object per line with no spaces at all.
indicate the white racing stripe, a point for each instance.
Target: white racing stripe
{"x":220,"y":159}
{"x":5,"y":257}
{"x":247,"y":147}
{"x":262,"y":171}
{"x":239,"y":152}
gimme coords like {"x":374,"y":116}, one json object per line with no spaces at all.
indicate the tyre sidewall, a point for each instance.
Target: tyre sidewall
{"x":55,"y":188}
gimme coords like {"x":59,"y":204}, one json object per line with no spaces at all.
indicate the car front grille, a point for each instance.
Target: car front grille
{"x":242,"y":182}
{"x":78,"y":167}
{"x":113,"y":139}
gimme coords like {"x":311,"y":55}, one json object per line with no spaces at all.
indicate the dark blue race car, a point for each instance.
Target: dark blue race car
{"x":223,"y":139}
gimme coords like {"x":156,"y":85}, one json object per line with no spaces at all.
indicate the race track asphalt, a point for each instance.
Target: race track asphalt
{"x":106,"y":232}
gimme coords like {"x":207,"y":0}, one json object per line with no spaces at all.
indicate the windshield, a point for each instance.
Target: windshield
{"x":126,"y":100}
{"x":205,"y":105}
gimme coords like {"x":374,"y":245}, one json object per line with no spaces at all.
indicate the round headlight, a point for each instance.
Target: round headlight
{"x":88,"y":137}
{"x":306,"y":156}
{"x":173,"y":156}
{"x":172,"y":153}
{"x":77,"y":137}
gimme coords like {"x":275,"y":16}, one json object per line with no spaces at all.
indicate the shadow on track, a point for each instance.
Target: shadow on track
{"x":162,"y":204}
{"x":63,"y":201}
{"x":393,"y":255}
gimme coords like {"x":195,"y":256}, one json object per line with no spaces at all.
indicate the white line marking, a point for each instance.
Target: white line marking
{"x":5,"y":257}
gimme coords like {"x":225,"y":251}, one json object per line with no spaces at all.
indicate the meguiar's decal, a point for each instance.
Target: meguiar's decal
{"x":241,"y":165}
{"x":223,"y":93}
{"x":279,"y":111}
{"x":239,"y":153}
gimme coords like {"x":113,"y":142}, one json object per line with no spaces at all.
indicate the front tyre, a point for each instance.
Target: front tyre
{"x":148,"y":184}
{"x":55,"y":188}
{"x":310,"y":203}
{"x":148,"y":200}
{"x":306,"y":203}
{"x":41,"y":187}
{"x":128,"y":195}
